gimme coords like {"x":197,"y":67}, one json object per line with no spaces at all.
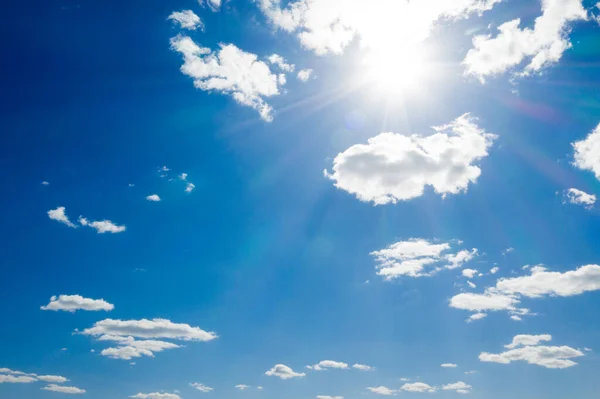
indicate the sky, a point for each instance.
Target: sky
{"x":328,"y":199}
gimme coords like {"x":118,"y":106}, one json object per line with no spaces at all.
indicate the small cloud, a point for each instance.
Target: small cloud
{"x":470,"y":372}
{"x":284,"y":372}
{"x":470,"y":284}
{"x":382,"y":390}
{"x":59,"y":215}
{"x":508,"y":250}
{"x":242,"y":387}
{"x":131,"y":185}
{"x":187,"y":20}
{"x":449,"y":365}
{"x":281,"y":63}
{"x":45,"y":183}
{"x":72,"y":303}
{"x":153,"y":198}
{"x":494,"y":270}
{"x":64,"y":389}
{"x":362,"y":367}
{"x":102,"y":226}
{"x":190,"y":187}
{"x":476,"y":316}
{"x":469,"y":273}
{"x":578,"y":197}
{"x":304,"y":74}
{"x":201,"y":387}
{"x":183,"y":176}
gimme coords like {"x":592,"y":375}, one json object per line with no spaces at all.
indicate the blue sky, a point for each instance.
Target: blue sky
{"x":319,"y":219}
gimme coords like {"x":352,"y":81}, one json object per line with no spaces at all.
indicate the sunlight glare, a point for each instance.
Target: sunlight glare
{"x":396,"y":71}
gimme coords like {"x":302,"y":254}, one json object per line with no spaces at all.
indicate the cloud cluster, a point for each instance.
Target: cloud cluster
{"x":578,"y":197}
{"x":229,"y":71}
{"x":418,"y":258}
{"x":187,"y":20}
{"x":284,"y":372}
{"x":526,"y":348}
{"x":541,"y":46}
{"x":72,"y":303}
{"x":328,"y":364}
{"x":418,"y":387}
{"x":103,"y":226}
{"x":395,"y":167}
{"x":304,"y":74}
{"x":459,"y":387}
{"x":8,"y":376}
{"x":201,"y":387}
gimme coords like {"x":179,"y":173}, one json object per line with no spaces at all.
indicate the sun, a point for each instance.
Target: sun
{"x":396,"y":71}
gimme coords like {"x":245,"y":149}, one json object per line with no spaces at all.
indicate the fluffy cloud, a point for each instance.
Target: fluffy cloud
{"x":187,"y":20}
{"x":469,"y":273}
{"x":59,"y":215}
{"x":476,"y":316}
{"x":526,"y":349}
{"x":327,"y":364}
{"x":103,"y":226}
{"x":490,"y":301}
{"x":281,"y":63}
{"x":156,"y":328}
{"x":472,"y":285}
{"x":304,"y":74}
{"x":156,"y":395}
{"x":16,"y":379}
{"x":63,"y":389}
{"x":57,"y":379}
{"x":417,"y":387}
{"x":363,"y":367}
{"x":459,"y":387}
{"x":578,"y":197}
{"x":395,"y":167}
{"x":494,"y":270}
{"x":416,"y":258}
{"x":242,"y":387}
{"x":153,"y":198}
{"x":19,"y":377}
{"x":72,"y":303}
{"x":201,"y":387}
{"x":214,"y":5}
{"x":449,"y":365}
{"x":381,"y":390}
{"x":541,"y":46}
{"x":229,"y":71}
{"x":587,"y":153}
{"x":284,"y":372}
{"x":131,"y":348}
{"x":190,"y":187}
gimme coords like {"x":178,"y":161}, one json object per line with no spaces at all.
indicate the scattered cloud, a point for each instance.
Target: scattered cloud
{"x":476,"y":316}
{"x":449,"y":365}
{"x":381,"y":390}
{"x":156,"y":395}
{"x":153,"y":198}
{"x":578,"y":197}
{"x":394,"y":167}
{"x":469,"y":273}
{"x":183,"y":176}
{"x":525,"y":348}
{"x":16,"y":379}
{"x":417,"y":387}
{"x":281,"y":63}
{"x":541,"y":46}
{"x":59,"y":215}
{"x":472,"y":285}
{"x":229,"y":71}
{"x":103,"y":226}
{"x":156,"y":328}
{"x":187,"y":20}
{"x":45,"y":183}
{"x":284,"y":372}
{"x":459,"y":387}
{"x":242,"y":387}
{"x":363,"y":367}
{"x":64,"y":389}
{"x":328,"y":364}
{"x":416,"y":258}
{"x":304,"y":74}
{"x":72,"y":303}
{"x":130,"y":348}
{"x":214,"y":5}
{"x":494,"y":270}
{"x":57,"y":379}
{"x":189,"y":187}
{"x":201,"y":387}
{"x":470,"y":372}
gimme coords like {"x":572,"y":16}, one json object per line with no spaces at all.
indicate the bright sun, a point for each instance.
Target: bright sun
{"x":396,"y":71}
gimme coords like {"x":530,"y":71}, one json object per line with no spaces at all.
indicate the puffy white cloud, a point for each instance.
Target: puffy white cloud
{"x":528,"y":350}
{"x":214,"y":5}
{"x":363,"y":367}
{"x":64,"y":389}
{"x":72,"y":303}
{"x":587,"y":152}
{"x":52,"y":378}
{"x":242,"y":387}
{"x":395,"y":167}
{"x":469,"y":273}
{"x":304,"y":74}
{"x":417,"y":387}
{"x":449,"y":365}
{"x":155,"y":328}
{"x":460,"y":258}
{"x":153,"y":198}
{"x":541,"y":46}
{"x":103,"y":226}
{"x":578,"y":197}
{"x":156,"y":395}
{"x":328,"y":364}
{"x":476,"y":316}
{"x":59,"y":215}
{"x":201,"y":387}
{"x":459,"y":387}
{"x":479,"y":302}
{"x":131,"y":348}
{"x":187,"y":20}
{"x":229,"y":71}
{"x":284,"y":372}
{"x":381,"y":390}
{"x":416,"y":258}
{"x":16,"y":379}
{"x":472,"y":285}
{"x":281,"y":63}
{"x":494,"y":270}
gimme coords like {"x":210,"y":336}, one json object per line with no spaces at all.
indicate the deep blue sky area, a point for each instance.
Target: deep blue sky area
{"x":266,"y":251}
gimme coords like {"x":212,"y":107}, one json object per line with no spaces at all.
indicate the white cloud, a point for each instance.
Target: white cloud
{"x":183,"y":176}
{"x":259,"y":388}
{"x":16,"y":379}
{"x":541,"y":46}
{"x":187,"y":20}
{"x":281,"y":63}
{"x":229,"y":71}
{"x":156,"y":395}
{"x":304,"y":74}
{"x":472,"y":285}
{"x":528,"y":350}
{"x":417,"y":387}
{"x":381,"y":390}
{"x":284,"y":372}
{"x":59,"y":215}
{"x":153,"y":198}
{"x":363,"y":367}
{"x":459,"y":387}
{"x":329,"y":397}
{"x":45,"y":183}
{"x":587,"y":152}
{"x":64,"y":389}
{"x":242,"y":387}
{"x":476,"y":316}
{"x":469,"y":273}
{"x":52,"y":378}
{"x":328,"y":364}
{"x":72,"y":303}
{"x":470,"y":372}
{"x":190,"y":187}
{"x":416,"y":258}
{"x":131,"y":348}
{"x":214,"y":5}
{"x":449,"y":365}
{"x":395,"y":167}
{"x":103,"y":226}
{"x":460,"y":258}
{"x":494,"y":270}
{"x":479,"y":302}
{"x":201,"y":387}
{"x":156,"y":328}
{"x":578,"y":197}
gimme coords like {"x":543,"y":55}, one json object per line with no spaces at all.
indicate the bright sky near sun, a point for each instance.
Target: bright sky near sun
{"x":283,"y":199}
